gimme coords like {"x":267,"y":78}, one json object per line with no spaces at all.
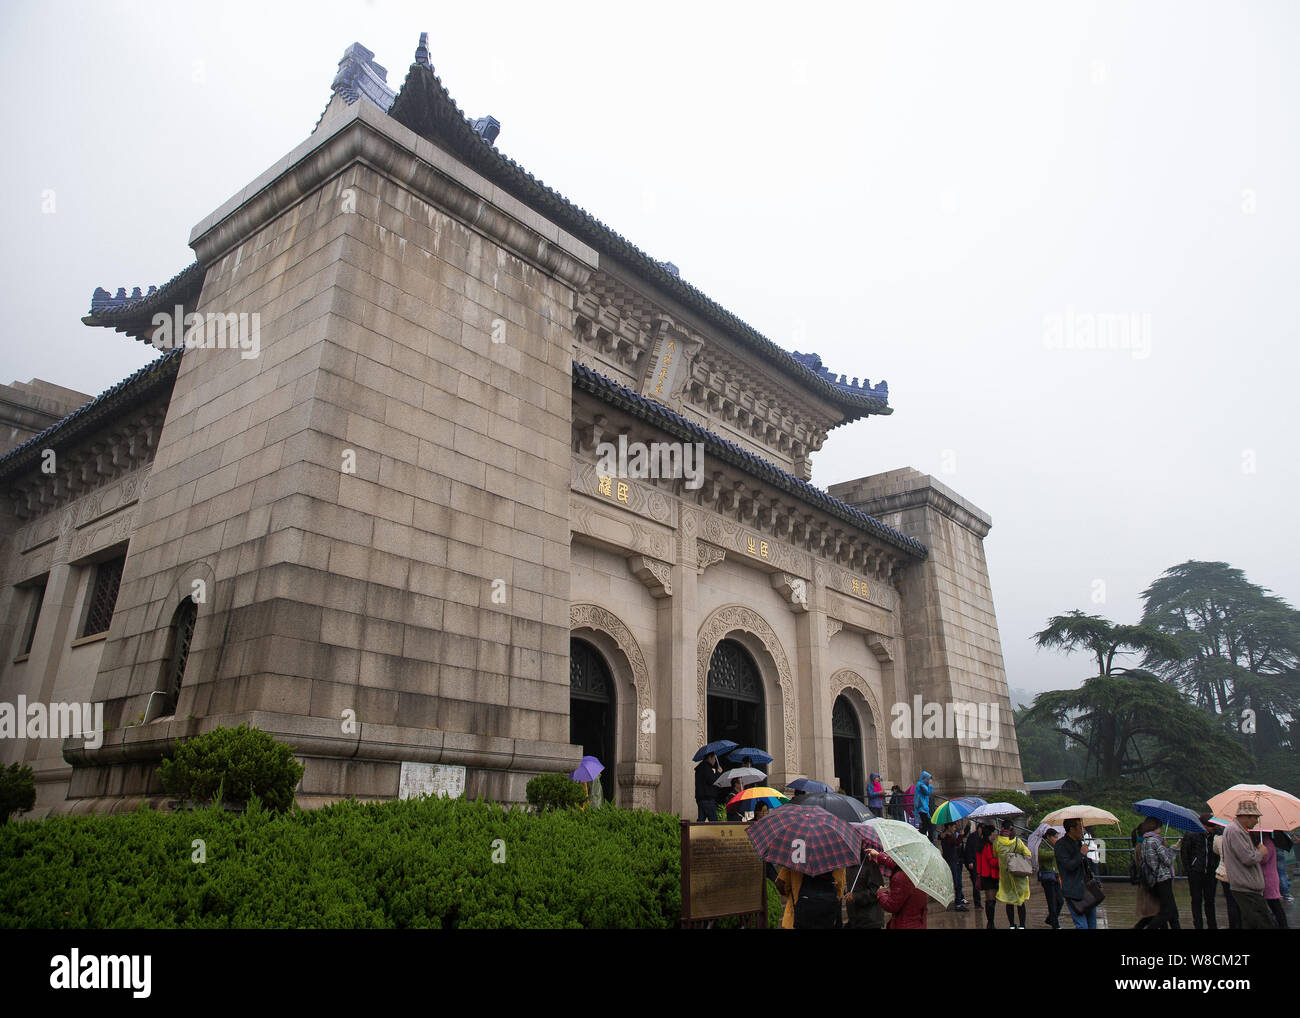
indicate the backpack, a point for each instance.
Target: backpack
{"x":1139,"y":872}
{"x":818,"y":904}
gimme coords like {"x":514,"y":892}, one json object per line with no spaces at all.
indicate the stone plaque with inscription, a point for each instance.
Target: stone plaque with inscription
{"x":722,"y":875}
{"x":420,"y":779}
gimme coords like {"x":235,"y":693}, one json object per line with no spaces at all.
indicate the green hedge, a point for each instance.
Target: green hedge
{"x":404,"y":864}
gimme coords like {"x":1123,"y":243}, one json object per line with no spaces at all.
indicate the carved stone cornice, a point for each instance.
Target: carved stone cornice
{"x":833,"y":626}
{"x":707,"y":555}
{"x":793,"y":589}
{"x":656,"y":575}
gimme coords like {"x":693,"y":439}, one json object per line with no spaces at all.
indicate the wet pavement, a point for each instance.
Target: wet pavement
{"x":1116,"y":912}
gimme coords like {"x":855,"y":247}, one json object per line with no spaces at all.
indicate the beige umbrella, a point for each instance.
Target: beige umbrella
{"x":1279,"y":810}
{"x":1091,"y":816}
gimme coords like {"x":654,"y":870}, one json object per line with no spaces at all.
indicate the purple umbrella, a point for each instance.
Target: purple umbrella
{"x":588,"y":769}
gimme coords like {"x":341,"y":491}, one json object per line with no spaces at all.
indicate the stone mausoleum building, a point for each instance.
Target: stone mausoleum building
{"x":385,"y":525}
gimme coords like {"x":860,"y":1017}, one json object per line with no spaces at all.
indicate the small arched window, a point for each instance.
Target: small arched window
{"x":182,"y":632}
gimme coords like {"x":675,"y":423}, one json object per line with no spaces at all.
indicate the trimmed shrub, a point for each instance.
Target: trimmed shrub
{"x":234,"y":765}
{"x":17,"y":790}
{"x":554,"y":791}
{"x":407,"y":864}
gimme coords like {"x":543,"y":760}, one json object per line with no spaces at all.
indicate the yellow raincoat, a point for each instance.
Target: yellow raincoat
{"x":1012,"y":890}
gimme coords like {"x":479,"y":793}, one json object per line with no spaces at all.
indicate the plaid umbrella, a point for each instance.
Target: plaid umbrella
{"x":806,"y":839}
{"x":1170,"y":814}
{"x":756,"y":756}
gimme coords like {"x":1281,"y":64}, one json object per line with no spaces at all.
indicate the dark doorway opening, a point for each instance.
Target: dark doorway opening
{"x":847,"y":737}
{"x":591,"y":709}
{"x":735,"y":707}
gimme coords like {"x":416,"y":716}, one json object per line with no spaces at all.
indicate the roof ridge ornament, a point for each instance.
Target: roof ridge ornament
{"x":422,"y":51}
{"x":359,"y":77}
{"x":814,"y":362}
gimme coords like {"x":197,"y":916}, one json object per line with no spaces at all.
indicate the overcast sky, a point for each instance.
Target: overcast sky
{"x":942,"y":195}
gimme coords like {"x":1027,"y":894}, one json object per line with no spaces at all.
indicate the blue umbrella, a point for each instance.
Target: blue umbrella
{"x":756,"y":756}
{"x":1170,"y":814}
{"x":809,"y":785}
{"x":718,"y":748}
{"x":588,"y":769}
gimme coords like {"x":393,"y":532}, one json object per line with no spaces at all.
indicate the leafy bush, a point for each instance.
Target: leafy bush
{"x":17,"y":790}
{"x":554,"y":791}
{"x":416,"y":863}
{"x":235,"y":764}
{"x":1051,"y":803}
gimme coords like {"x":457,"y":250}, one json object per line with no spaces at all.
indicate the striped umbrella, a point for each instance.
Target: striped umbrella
{"x":806,"y":839}
{"x":957,"y":809}
{"x":750,"y":799}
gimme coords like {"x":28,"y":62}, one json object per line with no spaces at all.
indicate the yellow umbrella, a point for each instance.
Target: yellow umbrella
{"x":1091,"y":816}
{"x":1279,"y":810}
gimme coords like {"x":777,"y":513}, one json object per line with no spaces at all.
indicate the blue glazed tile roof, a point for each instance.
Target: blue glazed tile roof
{"x":133,"y":312}
{"x":609,"y":391}
{"x":156,"y":376}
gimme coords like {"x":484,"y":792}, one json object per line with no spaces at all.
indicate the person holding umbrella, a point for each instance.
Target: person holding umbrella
{"x":1199,"y":863}
{"x":1243,"y":862}
{"x":1159,"y":858}
{"x":812,"y":847}
{"x":905,"y":902}
{"x":865,"y":882}
{"x":706,"y":773}
{"x":1075,"y":871}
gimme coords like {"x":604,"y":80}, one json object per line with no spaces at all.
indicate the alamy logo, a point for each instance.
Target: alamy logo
{"x":53,"y":721}
{"x":102,"y":972}
{"x":212,"y":331}
{"x":1104,"y":331}
{"x":956,"y":720}
{"x":658,"y":459}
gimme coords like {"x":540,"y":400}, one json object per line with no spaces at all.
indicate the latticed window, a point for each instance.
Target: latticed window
{"x":732,"y":673}
{"x":843,"y":721}
{"x":182,"y":634}
{"x":103,"y":598}
{"x":37,"y":596}
{"x":588,"y":675}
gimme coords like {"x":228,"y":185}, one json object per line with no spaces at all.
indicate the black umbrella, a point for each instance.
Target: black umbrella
{"x":842,"y":806}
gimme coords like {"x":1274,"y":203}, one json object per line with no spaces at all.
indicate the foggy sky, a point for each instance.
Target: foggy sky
{"x":931,"y":194}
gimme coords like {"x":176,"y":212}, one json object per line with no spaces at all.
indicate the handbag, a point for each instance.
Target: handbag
{"x":1093,"y":895}
{"x":1019,"y":865}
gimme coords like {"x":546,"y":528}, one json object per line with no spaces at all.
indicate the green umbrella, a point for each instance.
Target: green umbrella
{"x":913,"y":853}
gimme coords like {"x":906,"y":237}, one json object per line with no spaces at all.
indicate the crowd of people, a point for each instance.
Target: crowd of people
{"x":998,"y":865}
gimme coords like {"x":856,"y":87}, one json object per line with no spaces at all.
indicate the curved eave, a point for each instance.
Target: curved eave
{"x":608,"y":391}
{"x":424,"y":105}
{"x":154,"y":378}
{"x":136,"y":316}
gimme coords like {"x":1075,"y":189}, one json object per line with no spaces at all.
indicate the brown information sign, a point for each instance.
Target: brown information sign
{"x":722,"y":875}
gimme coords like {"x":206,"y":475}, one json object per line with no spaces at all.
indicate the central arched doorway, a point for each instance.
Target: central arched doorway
{"x":847,"y":735}
{"x":735,"y":707}
{"x":592,"y":709}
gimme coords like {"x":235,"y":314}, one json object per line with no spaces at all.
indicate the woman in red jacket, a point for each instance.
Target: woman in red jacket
{"x":903,"y":899}
{"x":986,"y":865}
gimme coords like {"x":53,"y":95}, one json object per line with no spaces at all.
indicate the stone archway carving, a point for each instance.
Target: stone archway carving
{"x":602,"y":620}
{"x":728,"y":619}
{"x":847,"y":678}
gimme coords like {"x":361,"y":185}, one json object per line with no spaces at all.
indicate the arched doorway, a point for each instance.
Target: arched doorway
{"x":847,"y":735}
{"x":592,"y":709}
{"x":735,"y":705}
